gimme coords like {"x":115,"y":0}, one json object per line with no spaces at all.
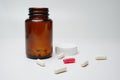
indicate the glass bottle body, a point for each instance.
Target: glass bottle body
{"x":38,"y":37}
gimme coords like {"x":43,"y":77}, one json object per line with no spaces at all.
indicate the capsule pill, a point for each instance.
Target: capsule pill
{"x":68,"y":60}
{"x":100,"y":57}
{"x":60,"y":70}
{"x":61,"y":55}
{"x":40,"y":62}
{"x":84,"y":64}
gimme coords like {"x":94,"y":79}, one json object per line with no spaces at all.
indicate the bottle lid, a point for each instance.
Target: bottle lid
{"x":67,"y":48}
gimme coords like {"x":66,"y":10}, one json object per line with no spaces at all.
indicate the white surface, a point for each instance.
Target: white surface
{"x":15,"y":66}
{"x":92,"y":24}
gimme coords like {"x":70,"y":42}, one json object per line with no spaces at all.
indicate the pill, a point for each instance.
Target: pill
{"x":60,"y":70}
{"x":84,"y":63}
{"x":100,"y":57}
{"x":40,"y":62}
{"x":68,"y":60}
{"x":61,"y":55}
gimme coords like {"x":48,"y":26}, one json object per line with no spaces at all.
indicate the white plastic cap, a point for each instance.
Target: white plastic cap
{"x":68,"y":49}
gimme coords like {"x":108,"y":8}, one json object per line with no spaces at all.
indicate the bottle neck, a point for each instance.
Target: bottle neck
{"x":38,"y":13}
{"x":38,"y":17}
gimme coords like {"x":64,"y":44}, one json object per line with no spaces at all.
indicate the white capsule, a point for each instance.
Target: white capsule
{"x":40,"y":62}
{"x":61,"y":55}
{"x":60,"y":70}
{"x":84,"y":64}
{"x":100,"y":57}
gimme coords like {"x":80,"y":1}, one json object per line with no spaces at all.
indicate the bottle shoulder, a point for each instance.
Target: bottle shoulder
{"x":38,"y":20}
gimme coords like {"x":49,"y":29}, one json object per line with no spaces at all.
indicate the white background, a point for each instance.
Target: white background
{"x":94,"y":25}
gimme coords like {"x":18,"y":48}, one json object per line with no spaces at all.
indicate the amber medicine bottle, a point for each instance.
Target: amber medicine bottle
{"x":38,"y":29}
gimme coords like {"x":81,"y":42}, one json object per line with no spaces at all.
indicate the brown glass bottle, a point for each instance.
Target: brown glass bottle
{"x":38,"y":34}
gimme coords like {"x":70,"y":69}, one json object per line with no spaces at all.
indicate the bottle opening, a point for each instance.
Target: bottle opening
{"x":38,"y":11}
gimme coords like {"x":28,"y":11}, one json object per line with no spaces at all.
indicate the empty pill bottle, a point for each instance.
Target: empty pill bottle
{"x":38,"y":34}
